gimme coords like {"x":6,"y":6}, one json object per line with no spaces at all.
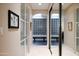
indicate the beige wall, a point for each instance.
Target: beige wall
{"x":70,"y":16}
{"x":10,"y":39}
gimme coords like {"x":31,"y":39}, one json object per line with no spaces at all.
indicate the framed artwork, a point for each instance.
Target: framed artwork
{"x":13,"y":20}
{"x":70,"y":26}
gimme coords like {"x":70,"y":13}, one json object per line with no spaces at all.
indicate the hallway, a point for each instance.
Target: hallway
{"x":44,"y":51}
{"x":37,"y":28}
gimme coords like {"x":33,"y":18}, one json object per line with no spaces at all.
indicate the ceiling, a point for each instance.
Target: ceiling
{"x":64,"y":6}
{"x":36,"y":6}
{"x":44,"y":6}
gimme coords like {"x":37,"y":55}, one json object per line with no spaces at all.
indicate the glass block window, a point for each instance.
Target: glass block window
{"x":22,"y":31}
{"x":77,"y":44}
{"x":77,"y":30}
{"x":54,"y":26}
{"x":39,"y":26}
{"x":23,"y":26}
{"x":23,"y":11}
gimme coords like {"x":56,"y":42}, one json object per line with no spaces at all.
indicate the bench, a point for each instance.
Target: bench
{"x":44,"y":37}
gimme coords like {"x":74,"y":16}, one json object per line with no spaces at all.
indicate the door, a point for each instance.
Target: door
{"x":25,"y":28}
{"x":50,"y":30}
{"x":55,"y":28}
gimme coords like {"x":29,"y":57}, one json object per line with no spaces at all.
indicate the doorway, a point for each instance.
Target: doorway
{"x":39,"y":31}
{"x":55,"y":29}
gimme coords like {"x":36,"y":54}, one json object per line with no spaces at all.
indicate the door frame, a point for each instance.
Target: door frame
{"x":60,"y":30}
{"x":50,"y":31}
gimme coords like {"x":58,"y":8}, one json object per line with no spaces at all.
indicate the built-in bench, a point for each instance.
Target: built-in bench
{"x":45,"y":37}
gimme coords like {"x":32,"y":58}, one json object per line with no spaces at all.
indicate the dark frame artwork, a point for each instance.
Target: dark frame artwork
{"x":13,"y":20}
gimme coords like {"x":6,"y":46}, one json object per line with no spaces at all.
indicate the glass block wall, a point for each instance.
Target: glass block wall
{"x":39,"y":26}
{"x":54,"y":26}
{"x":77,"y":30}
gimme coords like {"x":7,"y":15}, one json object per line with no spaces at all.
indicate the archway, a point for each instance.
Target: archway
{"x":39,"y":27}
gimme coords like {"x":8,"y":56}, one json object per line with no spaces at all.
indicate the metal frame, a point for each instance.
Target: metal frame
{"x":49,"y":30}
{"x":60,"y":30}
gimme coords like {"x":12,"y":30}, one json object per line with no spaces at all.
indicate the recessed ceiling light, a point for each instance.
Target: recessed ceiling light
{"x":39,"y":3}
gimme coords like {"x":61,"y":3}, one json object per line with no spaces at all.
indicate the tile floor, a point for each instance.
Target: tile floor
{"x":44,"y":51}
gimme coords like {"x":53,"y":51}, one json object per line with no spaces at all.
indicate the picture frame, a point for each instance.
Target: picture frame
{"x":13,"y":20}
{"x":70,"y":26}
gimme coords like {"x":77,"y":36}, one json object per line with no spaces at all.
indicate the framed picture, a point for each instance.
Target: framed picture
{"x":13,"y":20}
{"x":70,"y":26}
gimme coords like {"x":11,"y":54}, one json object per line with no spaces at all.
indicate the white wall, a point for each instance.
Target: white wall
{"x":70,"y":16}
{"x":10,"y":39}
